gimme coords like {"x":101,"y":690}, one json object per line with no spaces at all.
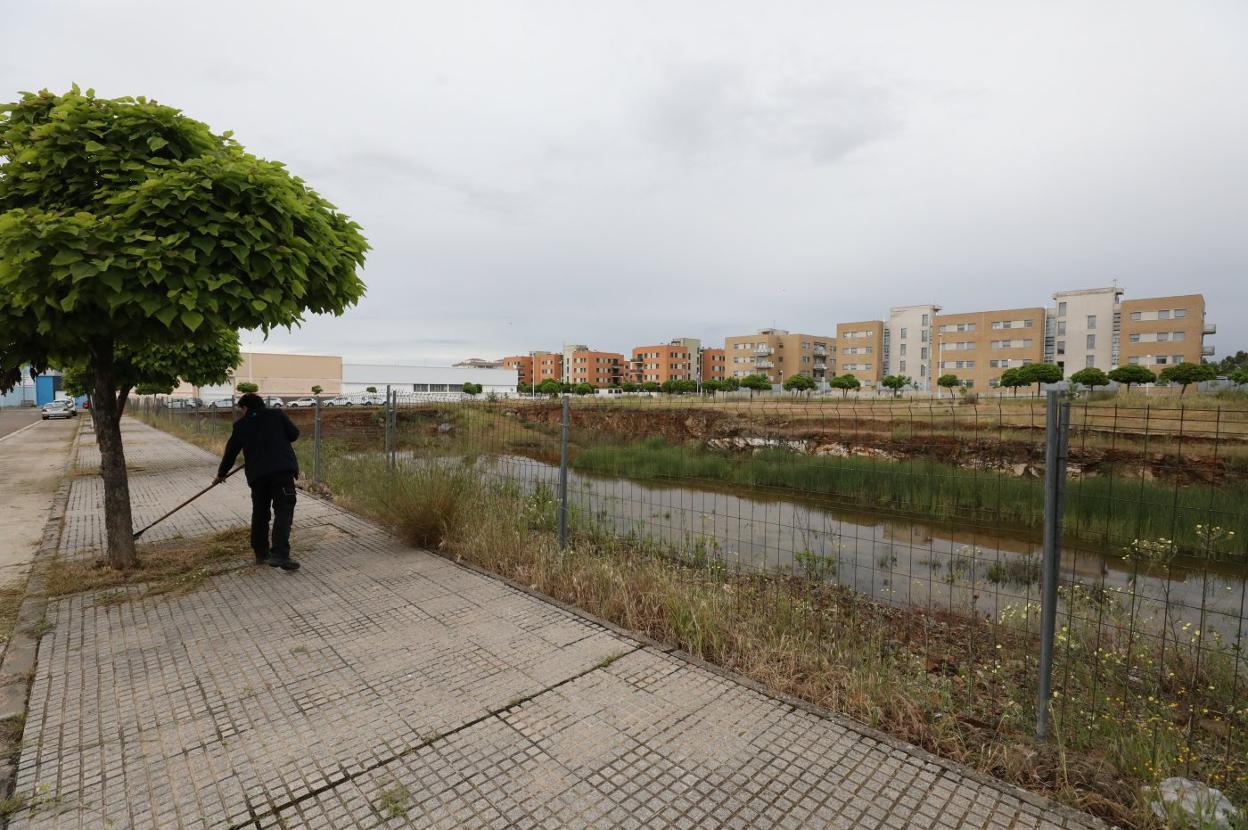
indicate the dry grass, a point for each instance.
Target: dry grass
{"x":174,"y":567}
{"x":10,"y":603}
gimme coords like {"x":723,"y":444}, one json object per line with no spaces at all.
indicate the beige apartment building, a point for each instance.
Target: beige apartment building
{"x":779,"y":354}
{"x":978,"y":346}
{"x":860,"y":351}
{"x":1161,"y":331}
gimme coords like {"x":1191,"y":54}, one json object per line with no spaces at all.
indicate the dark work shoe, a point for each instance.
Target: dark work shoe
{"x":262,"y":560}
{"x":286,"y":564}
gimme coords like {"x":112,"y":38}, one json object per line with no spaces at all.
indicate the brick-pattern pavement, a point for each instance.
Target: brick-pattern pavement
{"x":386,"y":687}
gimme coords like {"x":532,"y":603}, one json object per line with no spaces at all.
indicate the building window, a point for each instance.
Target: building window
{"x":1180,"y":312}
{"x":903,"y":365}
{"x":1027,"y":324}
{"x":923,"y":351}
{"x":1091,"y":322}
{"x":1089,"y":362}
{"x":1061,"y":328}
{"x":1061,"y":347}
{"x":903,"y":349}
{"x":923,"y":335}
{"x":1137,"y":316}
{"x":1135,"y":338}
{"x":1164,"y":314}
{"x":1091,"y":341}
{"x":1161,"y":360}
{"x":925,"y":320}
{"x":1061,"y":309}
{"x":903,"y":334}
{"x":923,"y":371}
{"x":1133,"y":360}
{"x":1163,"y":336}
{"x":1178,"y":335}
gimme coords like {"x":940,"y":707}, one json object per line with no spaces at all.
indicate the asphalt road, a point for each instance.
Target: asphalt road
{"x":11,"y":420}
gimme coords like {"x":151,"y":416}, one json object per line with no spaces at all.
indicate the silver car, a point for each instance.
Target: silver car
{"x":302,"y":402}
{"x":221,"y":403}
{"x":59,"y":409}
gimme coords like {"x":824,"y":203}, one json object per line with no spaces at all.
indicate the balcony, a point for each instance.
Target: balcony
{"x":763,"y":350}
{"x":821,"y":350}
{"x":764,"y":364}
{"x":1210,"y":328}
{"x":1207,"y":351}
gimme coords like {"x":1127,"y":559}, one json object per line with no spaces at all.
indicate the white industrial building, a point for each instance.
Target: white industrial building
{"x":436,"y":382}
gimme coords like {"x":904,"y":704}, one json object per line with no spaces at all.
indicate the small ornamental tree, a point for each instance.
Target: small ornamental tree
{"x":845,"y":383}
{"x":712,"y":386}
{"x":1130,"y":374}
{"x":896,"y":383}
{"x":1040,"y":373}
{"x":126,"y":224}
{"x":372,"y":390}
{"x":1012,"y":380}
{"x":1186,"y":374}
{"x":550,"y":387}
{"x":583,"y":389}
{"x":472,"y":389}
{"x":1239,"y":377}
{"x":949,"y":382}
{"x":247,"y":387}
{"x":628,"y":386}
{"x":318,"y":389}
{"x":799,"y":383}
{"x":756,"y":383}
{"x":1090,"y":378}
{"x":651,"y":386}
{"x":669,"y":387}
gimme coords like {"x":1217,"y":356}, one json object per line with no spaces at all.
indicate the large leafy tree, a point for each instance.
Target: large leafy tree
{"x":1239,"y":377}
{"x":1185,"y":374}
{"x":157,"y":369}
{"x":125,"y":225}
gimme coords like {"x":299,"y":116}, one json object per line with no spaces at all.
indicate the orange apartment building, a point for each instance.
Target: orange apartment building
{"x":670,"y":361}
{"x":860,"y":351}
{"x":1161,"y":331}
{"x":978,"y":346}
{"x":599,"y":369}
{"x":779,"y":354}
{"x":713,"y":364}
{"x":535,"y":367}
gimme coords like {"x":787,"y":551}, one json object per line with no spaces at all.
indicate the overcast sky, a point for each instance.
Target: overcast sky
{"x":531,"y":174}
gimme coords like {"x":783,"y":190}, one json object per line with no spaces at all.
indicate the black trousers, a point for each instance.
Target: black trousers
{"x":274,"y":493}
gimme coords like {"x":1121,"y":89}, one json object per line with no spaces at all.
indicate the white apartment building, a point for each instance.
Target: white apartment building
{"x":1081,"y":329}
{"x":908,"y":343}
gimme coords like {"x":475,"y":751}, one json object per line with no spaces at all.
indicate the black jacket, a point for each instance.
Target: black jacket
{"x":264,"y":436}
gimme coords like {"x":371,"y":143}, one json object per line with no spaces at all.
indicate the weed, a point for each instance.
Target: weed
{"x":38,"y":629}
{"x":393,"y":801}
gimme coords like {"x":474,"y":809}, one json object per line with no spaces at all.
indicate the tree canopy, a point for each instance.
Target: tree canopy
{"x":1090,"y":378}
{"x":756,"y":383}
{"x":1040,"y":373}
{"x":157,"y":369}
{"x":845,"y":383}
{"x":1185,"y":374}
{"x":125,"y":225}
{"x":1131,"y":373}
{"x":896,"y":383}
{"x":949,"y":382}
{"x":799,"y":383}
{"x":1239,"y":377}
{"x":247,"y":387}
{"x":471,"y":388}
{"x":1013,"y":378}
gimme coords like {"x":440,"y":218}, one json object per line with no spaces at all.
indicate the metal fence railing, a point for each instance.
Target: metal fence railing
{"x":930,"y":519}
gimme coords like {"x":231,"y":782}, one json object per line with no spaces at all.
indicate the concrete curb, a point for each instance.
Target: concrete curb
{"x":21,"y":654}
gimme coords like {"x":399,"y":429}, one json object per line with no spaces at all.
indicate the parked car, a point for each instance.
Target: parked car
{"x":274,"y":402}
{"x":371,"y":399}
{"x":302,"y":402}
{"x":183,"y":403}
{"x":341,"y":400}
{"x":221,"y":403}
{"x":58,"y":409}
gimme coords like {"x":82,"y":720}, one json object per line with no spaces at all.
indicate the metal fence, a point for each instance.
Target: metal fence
{"x":1084,"y":554}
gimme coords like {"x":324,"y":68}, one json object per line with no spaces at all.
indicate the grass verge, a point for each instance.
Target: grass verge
{"x":1133,"y":709}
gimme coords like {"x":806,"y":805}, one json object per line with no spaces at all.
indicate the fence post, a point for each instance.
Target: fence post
{"x":316,"y":440}
{"x":1056,"y":434}
{"x":389,"y":422}
{"x":563,"y":475}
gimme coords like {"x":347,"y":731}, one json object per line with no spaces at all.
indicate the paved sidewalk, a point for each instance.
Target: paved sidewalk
{"x":382,"y":686}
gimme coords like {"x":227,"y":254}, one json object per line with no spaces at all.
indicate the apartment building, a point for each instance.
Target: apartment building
{"x":1081,"y":329}
{"x":661,"y":363}
{"x":477,"y":363}
{"x":859,"y":351}
{"x":1161,"y":331}
{"x":713,"y":364}
{"x":535,"y":367}
{"x":599,"y":369}
{"x":908,"y":343}
{"x":978,"y":346}
{"x":778,"y":354}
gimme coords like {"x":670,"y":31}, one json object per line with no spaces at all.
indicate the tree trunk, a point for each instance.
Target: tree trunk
{"x":106,"y":413}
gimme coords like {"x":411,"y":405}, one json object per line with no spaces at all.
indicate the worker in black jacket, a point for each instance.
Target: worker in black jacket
{"x":264,"y":435}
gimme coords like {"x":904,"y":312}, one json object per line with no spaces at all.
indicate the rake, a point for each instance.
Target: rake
{"x":188,"y":501}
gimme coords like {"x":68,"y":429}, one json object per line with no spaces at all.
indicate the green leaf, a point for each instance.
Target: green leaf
{"x":259,"y":305}
{"x":94,"y":147}
{"x":66,"y":257}
{"x":166,"y":314}
{"x":156,"y":142}
{"x":192,"y":319}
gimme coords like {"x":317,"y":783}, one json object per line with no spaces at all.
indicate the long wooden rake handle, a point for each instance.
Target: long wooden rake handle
{"x":188,"y":501}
